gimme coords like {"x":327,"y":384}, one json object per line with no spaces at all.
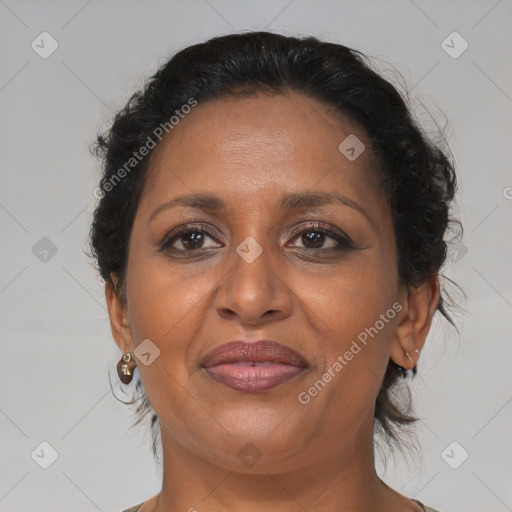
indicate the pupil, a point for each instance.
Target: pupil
{"x":189,"y":240}
{"x":313,"y":237}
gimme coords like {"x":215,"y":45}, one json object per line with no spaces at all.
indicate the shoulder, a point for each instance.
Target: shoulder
{"x":426,"y":508}
{"x":136,"y":507}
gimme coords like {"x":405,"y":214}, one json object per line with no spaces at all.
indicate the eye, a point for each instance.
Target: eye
{"x":189,"y":238}
{"x":317,"y":234}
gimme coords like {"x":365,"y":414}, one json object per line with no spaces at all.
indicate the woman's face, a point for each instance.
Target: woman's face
{"x":263,"y":159}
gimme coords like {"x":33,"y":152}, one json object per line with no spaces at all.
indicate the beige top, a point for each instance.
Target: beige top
{"x":425,"y":508}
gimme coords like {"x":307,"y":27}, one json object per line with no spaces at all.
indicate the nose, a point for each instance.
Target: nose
{"x":253,"y":292}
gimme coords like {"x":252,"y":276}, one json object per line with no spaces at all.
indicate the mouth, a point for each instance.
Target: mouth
{"x":253,"y":367}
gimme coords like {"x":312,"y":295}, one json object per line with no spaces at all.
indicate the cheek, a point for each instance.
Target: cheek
{"x":352,"y":317}
{"x":164,"y":305}
{"x":168,"y":308}
{"x":169,"y":304}
{"x":344,"y":304}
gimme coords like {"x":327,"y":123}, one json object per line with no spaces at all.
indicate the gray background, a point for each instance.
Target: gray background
{"x":56,"y":347}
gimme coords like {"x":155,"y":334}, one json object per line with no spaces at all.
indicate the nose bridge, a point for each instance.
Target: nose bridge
{"x":251,"y":288}
{"x":253,"y":266}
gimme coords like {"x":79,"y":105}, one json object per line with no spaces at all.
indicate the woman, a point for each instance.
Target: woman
{"x":270,"y":232}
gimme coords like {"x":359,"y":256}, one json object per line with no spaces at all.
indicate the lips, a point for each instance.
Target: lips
{"x":253,"y":367}
{"x":256,"y":352}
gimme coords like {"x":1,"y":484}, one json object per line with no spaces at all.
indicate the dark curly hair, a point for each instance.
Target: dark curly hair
{"x":417,"y":175}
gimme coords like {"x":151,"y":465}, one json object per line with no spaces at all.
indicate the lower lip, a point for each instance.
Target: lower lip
{"x":253,"y":377}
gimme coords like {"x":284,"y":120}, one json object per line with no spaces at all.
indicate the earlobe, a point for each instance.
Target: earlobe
{"x":420,"y":304}
{"x":117,"y":311}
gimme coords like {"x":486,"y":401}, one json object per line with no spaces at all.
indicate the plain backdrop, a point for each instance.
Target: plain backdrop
{"x":56,"y":346}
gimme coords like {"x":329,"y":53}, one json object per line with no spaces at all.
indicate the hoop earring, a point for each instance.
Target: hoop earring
{"x":402,"y":372}
{"x":414,"y":370}
{"x":125,"y":368}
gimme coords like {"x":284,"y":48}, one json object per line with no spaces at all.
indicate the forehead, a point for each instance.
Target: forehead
{"x":264,"y":144}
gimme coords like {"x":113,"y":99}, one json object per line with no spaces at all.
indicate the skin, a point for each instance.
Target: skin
{"x":250,"y":152}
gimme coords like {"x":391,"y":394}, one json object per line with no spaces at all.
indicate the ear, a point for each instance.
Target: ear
{"x":118,"y":314}
{"x":419,"y":306}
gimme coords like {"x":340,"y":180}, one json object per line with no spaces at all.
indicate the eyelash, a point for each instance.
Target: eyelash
{"x":344,"y":241}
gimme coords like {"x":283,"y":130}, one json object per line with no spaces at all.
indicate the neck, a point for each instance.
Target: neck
{"x":343,"y":480}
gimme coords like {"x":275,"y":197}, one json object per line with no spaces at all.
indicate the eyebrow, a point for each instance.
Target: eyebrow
{"x":294,"y":201}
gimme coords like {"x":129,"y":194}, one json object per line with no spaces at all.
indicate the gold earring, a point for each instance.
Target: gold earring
{"x":125,"y":368}
{"x":414,"y":370}
{"x":409,"y":356}
{"x":401,"y":370}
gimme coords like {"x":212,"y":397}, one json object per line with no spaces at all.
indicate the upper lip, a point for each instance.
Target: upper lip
{"x":255,"y":351}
